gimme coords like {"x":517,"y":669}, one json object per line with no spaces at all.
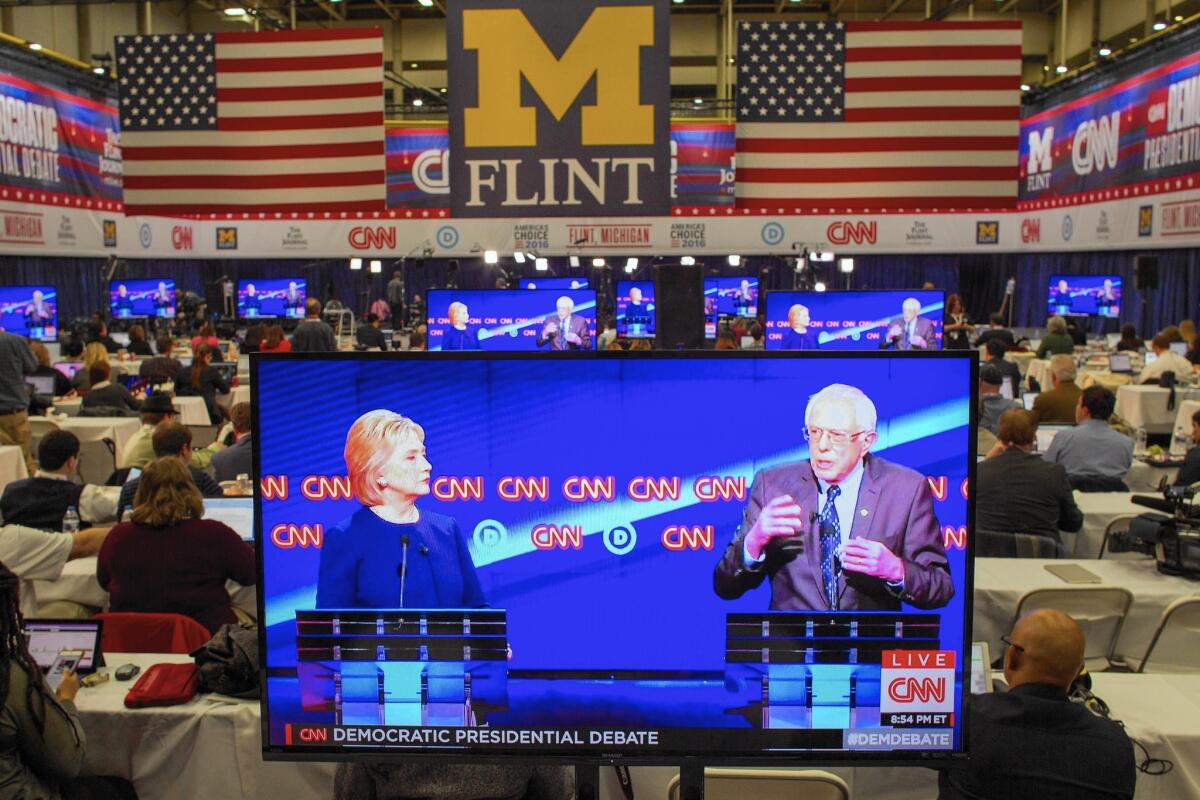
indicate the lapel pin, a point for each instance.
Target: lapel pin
{"x":862,"y":511}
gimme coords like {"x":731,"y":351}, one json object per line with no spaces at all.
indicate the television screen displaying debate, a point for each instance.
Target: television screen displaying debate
{"x":635,"y":309}
{"x":554,"y":283}
{"x":733,"y":297}
{"x":271,"y":297}
{"x":153,"y":297}
{"x":30,"y":311}
{"x":860,"y":320}
{"x":556,"y":320}
{"x":452,"y":565}
{"x":1095,"y":295}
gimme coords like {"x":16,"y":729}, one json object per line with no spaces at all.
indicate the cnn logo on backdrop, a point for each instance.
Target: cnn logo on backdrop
{"x":917,"y":681}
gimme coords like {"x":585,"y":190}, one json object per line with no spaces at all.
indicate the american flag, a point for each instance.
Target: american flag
{"x":280,"y":121}
{"x":838,"y":117}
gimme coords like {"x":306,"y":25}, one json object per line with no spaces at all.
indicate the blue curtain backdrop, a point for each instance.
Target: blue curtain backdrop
{"x":980,"y":279}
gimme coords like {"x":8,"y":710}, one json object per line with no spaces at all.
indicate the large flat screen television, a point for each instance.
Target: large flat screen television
{"x":635,"y":309}
{"x":728,"y":297}
{"x":1094,"y":295}
{"x":881,"y":320}
{"x":152,"y":297}
{"x":534,"y":282}
{"x":271,"y":297}
{"x":500,"y":554}
{"x":536,"y":319}
{"x":30,"y":311}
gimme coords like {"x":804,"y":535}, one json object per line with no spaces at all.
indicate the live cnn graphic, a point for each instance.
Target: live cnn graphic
{"x":917,"y":689}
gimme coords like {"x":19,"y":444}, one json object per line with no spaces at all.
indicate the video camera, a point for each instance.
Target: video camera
{"x":1171,"y":536}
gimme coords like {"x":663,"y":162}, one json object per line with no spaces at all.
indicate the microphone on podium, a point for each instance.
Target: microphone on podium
{"x":403,"y":565}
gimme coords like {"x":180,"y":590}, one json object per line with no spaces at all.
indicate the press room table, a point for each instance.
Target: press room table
{"x":12,"y":465}
{"x":1000,"y":582}
{"x":1143,"y":478}
{"x":1146,"y":406}
{"x":192,"y":410}
{"x":78,"y":584}
{"x":1183,"y":419}
{"x":119,"y":429}
{"x":238,"y":394}
{"x":1102,"y":377}
{"x":1099,"y":509}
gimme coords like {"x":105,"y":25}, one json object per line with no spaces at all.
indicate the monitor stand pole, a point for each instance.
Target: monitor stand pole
{"x":691,"y":779}
{"x":587,"y":781}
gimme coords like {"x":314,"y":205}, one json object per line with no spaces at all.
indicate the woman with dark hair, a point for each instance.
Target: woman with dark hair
{"x":206,"y":335}
{"x":956,"y":327}
{"x":203,"y":380}
{"x":41,"y":740}
{"x":167,"y":559}
{"x":253,"y":338}
{"x":138,"y":345}
{"x":1129,"y":338}
{"x":274,"y":342}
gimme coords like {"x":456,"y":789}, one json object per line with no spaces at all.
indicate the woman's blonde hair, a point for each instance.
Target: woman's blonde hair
{"x":93,"y":354}
{"x":369,"y":446}
{"x":166,"y":495}
{"x":40,"y":353}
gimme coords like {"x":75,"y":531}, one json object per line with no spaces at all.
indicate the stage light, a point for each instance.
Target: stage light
{"x":491,"y":257}
{"x":1160,"y":26}
{"x":519,"y":257}
{"x":99,"y":70}
{"x":376,"y":266}
{"x":734,"y":260}
{"x":631,"y":265}
{"x":597,"y":262}
{"x":574,"y":262}
{"x":425,"y":3}
{"x":688,"y":261}
{"x":1060,"y":69}
{"x":34,"y":46}
{"x":846,"y":265}
{"x":542,"y":264}
{"x":418,"y":103}
{"x":1104,"y":51}
{"x":235,"y":11}
{"x":821,"y":256}
{"x":1025,"y":87}
{"x":819,"y":286}
{"x":356,"y":263}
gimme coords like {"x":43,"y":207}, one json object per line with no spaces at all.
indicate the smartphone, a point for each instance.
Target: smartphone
{"x":1072,"y":573}
{"x":66,"y":660}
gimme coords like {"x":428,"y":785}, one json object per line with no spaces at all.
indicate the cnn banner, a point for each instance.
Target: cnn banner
{"x":1137,"y":135}
{"x":702,"y":166}
{"x":56,"y":147}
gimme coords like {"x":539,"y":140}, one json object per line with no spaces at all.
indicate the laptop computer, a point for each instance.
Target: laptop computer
{"x":68,"y":368}
{"x":236,"y":512}
{"x":46,"y":638}
{"x":1119,"y":363}
{"x":42,"y":384}
{"x":1151,"y":357}
{"x":981,"y":668}
{"x":1046,"y":434}
{"x":1028,"y":398}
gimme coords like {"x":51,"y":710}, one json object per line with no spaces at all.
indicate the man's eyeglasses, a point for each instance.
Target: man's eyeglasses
{"x":813,"y":434}
{"x":1011,"y":643}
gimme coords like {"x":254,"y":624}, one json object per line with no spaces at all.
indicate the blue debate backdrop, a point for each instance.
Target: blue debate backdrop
{"x":846,"y":320}
{"x":623,"y":600}
{"x":500,"y":319}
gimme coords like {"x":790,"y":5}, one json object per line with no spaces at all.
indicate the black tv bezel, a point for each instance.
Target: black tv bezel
{"x":31,"y":287}
{"x":115,"y":281}
{"x":607,"y":755}
{"x":237,"y":309}
{"x":430,"y":320}
{"x":910,"y":292}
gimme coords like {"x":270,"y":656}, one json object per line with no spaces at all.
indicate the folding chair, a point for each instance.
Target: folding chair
{"x":97,"y":455}
{"x":203,"y":435}
{"x":997,"y":544}
{"x":767,"y":784}
{"x":1099,"y":610}
{"x":139,"y":632}
{"x":1119,"y":525}
{"x":1176,"y":643}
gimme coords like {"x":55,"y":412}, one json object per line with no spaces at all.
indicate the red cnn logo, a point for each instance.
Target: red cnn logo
{"x":181,"y":237}
{"x":917,"y":690}
{"x":367,"y":237}
{"x":852,"y":232}
{"x":1031,"y":231}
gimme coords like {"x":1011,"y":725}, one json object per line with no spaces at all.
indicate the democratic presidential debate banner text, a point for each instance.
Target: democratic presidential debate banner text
{"x":702,"y":166}
{"x":57,"y":147}
{"x":1139,"y":126}
{"x":559,"y":109}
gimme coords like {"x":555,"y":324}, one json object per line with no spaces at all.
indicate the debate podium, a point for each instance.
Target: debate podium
{"x":441,"y":667}
{"x":818,"y":669}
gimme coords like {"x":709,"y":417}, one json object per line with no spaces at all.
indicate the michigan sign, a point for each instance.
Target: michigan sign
{"x":559,"y":109}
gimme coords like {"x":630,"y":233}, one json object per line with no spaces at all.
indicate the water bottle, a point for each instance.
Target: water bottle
{"x":71,"y":520}
{"x":1179,"y":443}
{"x":1140,"y":448}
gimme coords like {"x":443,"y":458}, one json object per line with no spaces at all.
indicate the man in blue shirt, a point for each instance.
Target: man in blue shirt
{"x":16,"y":361}
{"x":1095,"y":456}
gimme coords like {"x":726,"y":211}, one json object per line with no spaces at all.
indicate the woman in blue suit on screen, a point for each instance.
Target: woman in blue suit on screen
{"x":363,"y":556}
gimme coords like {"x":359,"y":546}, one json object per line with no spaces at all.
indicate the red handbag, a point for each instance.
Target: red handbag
{"x":163,"y":685}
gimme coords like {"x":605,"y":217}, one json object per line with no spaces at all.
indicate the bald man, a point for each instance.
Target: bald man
{"x":1031,"y":741}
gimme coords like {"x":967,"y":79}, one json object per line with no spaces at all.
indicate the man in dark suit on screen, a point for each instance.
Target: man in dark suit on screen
{"x":843,"y":530}
{"x":565,"y":330}
{"x":911,"y":331}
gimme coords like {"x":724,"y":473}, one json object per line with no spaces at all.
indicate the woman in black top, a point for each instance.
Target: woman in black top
{"x":956,"y":327}
{"x":1129,"y":339}
{"x":204,"y":380}
{"x":105,"y":393}
{"x":138,"y":345}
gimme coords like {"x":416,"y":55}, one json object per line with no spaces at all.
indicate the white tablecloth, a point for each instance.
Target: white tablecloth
{"x":192,"y":410}
{"x":77,"y":584}
{"x":1000,"y":582}
{"x":1183,"y":418}
{"x":119,"y":429}
{"x":238,"y":394}
{"x":1143,"y":478}
{"x":12,"y":465}
{"x":1099,"y":509}
{"x":1039,"y":370}
{"x":1146,"y":406}
{"x":208,"y":748}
